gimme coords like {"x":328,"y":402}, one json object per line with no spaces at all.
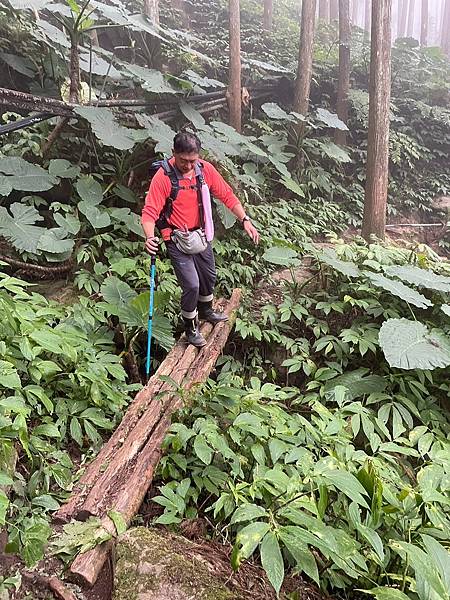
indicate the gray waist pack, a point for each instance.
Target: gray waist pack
{"x":190,"y":242}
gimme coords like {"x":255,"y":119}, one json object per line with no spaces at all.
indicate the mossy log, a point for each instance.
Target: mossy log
{"x":120,"y":476}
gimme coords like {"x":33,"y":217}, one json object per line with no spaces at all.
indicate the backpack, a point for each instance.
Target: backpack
{"x":163,"y":219}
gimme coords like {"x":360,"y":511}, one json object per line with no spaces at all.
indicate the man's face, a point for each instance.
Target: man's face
{"x":185,"y":161}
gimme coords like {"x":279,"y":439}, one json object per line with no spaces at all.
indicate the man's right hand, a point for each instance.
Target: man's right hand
{"x":151,"y":245}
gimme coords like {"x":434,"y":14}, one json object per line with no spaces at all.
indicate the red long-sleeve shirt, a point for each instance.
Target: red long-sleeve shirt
{"x":185,"y":208}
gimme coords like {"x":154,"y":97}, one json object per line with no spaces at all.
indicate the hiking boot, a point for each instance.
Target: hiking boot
{"x":193,"y":334}
{"x":206,"y":312}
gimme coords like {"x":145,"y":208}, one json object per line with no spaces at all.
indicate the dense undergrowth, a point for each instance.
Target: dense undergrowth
{"x":322,"y":444}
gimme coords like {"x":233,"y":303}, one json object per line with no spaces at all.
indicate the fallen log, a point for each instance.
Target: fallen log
{"x":125,"y":495}
{"x":139,"y":405}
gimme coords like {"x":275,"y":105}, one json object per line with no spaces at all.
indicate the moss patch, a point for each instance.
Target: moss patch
{"x":150,"y":565}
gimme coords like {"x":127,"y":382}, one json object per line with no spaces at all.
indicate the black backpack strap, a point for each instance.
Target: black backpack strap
{"x":200,"y":179}
{"x":163,"y":220}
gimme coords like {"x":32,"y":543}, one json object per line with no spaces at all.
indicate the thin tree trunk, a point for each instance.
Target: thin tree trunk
{"x":74,"y":93}
{"x":268,"y":15}
{"x":151,"y":11}
{"x":234,"y":74}
{"x":323,"y":10}
{"x":181,"y":7}
{"x":402,"y":17}
{"x":424,"y":24}
{"x":445,"y":29}
{"x":305,"y":57}
{"x":334,"y":10}
{"x":374,"y":220}
{"x":367,"y":15}
{"x":344,"y":68}
{"x":355,"y":11}
{"x":412,"y":6}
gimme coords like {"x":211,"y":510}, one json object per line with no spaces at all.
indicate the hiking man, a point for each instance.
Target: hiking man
{"x":178,"y":203}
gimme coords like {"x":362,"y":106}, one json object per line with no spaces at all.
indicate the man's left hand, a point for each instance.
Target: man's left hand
{"x":251,"y":231}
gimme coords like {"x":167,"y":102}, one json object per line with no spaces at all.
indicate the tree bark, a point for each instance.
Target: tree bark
{"x":411,"y":11}
{"x":344,"y":68}
{"x":374,"y":220}
{"x":268,"y":15}
{"x":334,"y":10}
{"x":180,"y":5}
{"x":355,"y":12}
{"x":402,"y":17}
{"x":445,"y":29}
{"x":323,"y":10}
{"x":151,"y":11}
{"x":424,"y":24}
{"x":367,"y":15}
{"x":234,"y":69}
{"x":305,"y":57}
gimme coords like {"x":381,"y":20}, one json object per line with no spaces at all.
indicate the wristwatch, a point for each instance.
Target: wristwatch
{"x":246,"y":218}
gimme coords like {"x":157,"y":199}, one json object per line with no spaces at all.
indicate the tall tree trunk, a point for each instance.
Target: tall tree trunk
{"x":334,"y":10}
{"x":180,"y":5}
{"x":234,"y":70}
{"x":151,"y":11}
{"x":412,"y":6}
{"x":402,"y":17}
{"x":424,"y":24}
{"x":344,"y":68}
{"x":374,"y":221}
{"x":268,"y":15}
{"x":445,"y":29}
{"x":323,"y":10}
{"x":305,"y":57}
{"x":367,"y":15}
{"x":355,"y":6}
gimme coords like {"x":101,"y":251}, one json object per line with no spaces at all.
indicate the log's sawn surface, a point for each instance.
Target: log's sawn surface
{"x":124,"y":483}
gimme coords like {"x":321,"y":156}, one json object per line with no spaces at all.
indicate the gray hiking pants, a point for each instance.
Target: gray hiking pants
{"x":196,"y":274}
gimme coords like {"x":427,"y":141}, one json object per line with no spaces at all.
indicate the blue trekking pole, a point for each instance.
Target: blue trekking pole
{"x":150,"y":313}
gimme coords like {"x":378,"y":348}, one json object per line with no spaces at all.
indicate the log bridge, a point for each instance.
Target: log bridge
{"x":120,"y":475}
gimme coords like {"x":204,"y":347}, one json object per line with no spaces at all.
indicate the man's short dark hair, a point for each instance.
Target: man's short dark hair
{"x":185,"y":141}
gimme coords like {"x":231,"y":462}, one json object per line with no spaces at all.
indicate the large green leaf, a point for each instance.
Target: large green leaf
{"x":272,"y":560}
{"x":399,"y":289}
{"x":25,"y":176}
{"x":331,"y":119}
{"x":358,"y":384}
{"x":293,"y":186}
{"x":106,"y":128}
{"x":20,"y":228}
{"x":335,"y":152}
{"x":192,"y":115}
{"x":329,"y":257}
{"x":60,"y":167}
{"x":158,"y":131}
{"x":226,"y":216}
{"x":89,"y":190}
{"x":420,"y":277}
{"x":97,"y":217}
{"x":19,"y":63}
{"x":247,"y":540}
{"x":303,"y":557}
{"x":151,"y":80}
{"x":9,"y":378}
{"x":345,"y":482}
{"x":98,"y":65}
{"x":55,"y":241}
{"x":273,"y":111}
{"x":278,"y":255}
{"x":117,"y":292}
{"x":427,"y":572}
{"x":387,"y":593}
{"x":409,"y":345}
